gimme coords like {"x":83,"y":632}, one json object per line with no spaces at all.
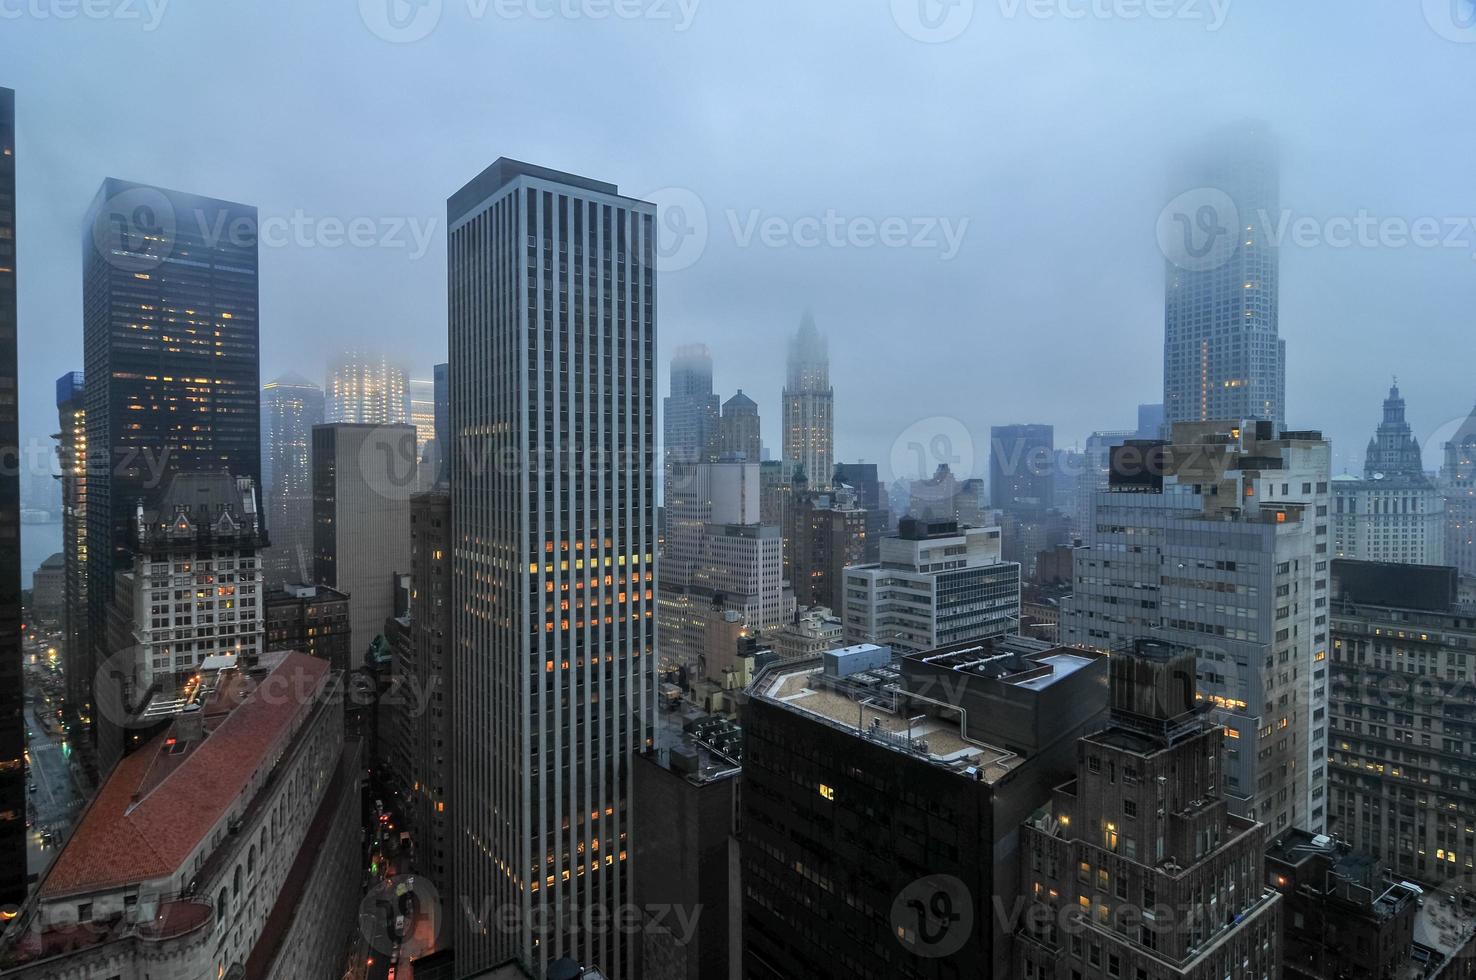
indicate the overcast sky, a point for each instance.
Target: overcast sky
{"x":1024,"y":144}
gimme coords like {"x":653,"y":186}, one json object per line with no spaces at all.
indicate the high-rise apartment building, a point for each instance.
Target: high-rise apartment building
{"x":1395,"y":513}
{"x":1137,"y":867}
{"x":290,"y":407}
{"x":1022,"y":469}
{"x":809,"y":406}
{"x":363,"y":478}
{"x":937,"y":584}
{"x":1223,"y":356}
{"x":71,"y":457}
{"x":1403,"y":719}
{"x":1458,"y":481}
{"x":739,"y":430}
{"x":171,"y":338}
{"x":12,"y":681}
{"x":552,"y":350}
{"x":1220,"y":541}
{"x":879,"y":799}
{"x":367,"y":388}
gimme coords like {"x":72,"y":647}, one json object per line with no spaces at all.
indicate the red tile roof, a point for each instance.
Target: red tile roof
{"x":121,"y":840}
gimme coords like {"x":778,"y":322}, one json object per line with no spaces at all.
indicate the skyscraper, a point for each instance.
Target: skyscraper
{"x":809,"y":406}
{"x":365,"y":387}
{"x":1395,"y":513}
{"x":71,"y":457}
{"x":1458,"y":481}
{"x":423,"y":410}
{"x":12,"y":705}
{"x":290,"y":407}
{"x":170,"y":330}
{"x":690,"y":415}
{"x":740,"y":428}
{"x":1022,"y":469}
{"x":552,"y":348}
{"x":1223,"y":357}
{"x":444,"y":449}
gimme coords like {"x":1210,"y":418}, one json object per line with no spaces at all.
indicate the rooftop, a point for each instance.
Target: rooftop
{"x":159,"y":804}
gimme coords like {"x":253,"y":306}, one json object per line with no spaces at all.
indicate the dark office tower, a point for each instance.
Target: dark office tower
{"x":290,"y":407}
{"x":1137,"y":868}
{"x":1223,"y":356}
{"x":552,"y":309}
{"x":12,"y":705}
{"x":809,"y":406}
{"x":1022,"y":467}
{"x":169,"y":308}
{"x":431,"y":546}
{"x":71,"y":457}
{"x":444,"y":449}
{"x":870,"y":497}
{"x":739,"y":428}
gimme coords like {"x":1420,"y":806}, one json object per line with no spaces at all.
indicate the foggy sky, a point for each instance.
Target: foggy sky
{"x":1051,"y":136}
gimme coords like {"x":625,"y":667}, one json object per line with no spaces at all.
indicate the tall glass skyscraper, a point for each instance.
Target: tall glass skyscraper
{"x":1223,"y":356}
{"x":171,"y":341}
{"x":367,"y":389}
{"x":553,"y":397}
{"x":290,"y":406}
{"x":809,"y":407}
{"x":690,"y":415}
{"x":12,"y":705}
{"x":71,"y":457}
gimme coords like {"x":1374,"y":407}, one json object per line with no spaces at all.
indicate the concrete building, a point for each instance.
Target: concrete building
{"x":363,"y":478}
{"x":290,"y":407}
{"x":827,"y":534}
{"x":1402,"y":719}
{"x":228,"y":846}
{"x":809,"y":406}
{"x":699,"y":495}
{"x":1137,"y":867}
{"x":1220,"y":541}
{"x":879,"y":807}
{"x":1223,"y":356}
{"x":813,"y":630}
{"x":1458,"y":481}
{"x":937,"y":584}
{"x":366,"y":388}
{"x":310,"y":619}
{"x":553,"y":669}
{"x":871,"y":497}
{"x":1395,"y":513}
{"x":739,"y":429}
{"x":432,"y":542}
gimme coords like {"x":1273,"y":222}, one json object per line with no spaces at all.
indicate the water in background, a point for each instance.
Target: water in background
{"x":38,"y":543}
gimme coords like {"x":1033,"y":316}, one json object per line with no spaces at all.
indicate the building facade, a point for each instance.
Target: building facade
{"x":739,"y":429}
{"x":809,"y":406}
{"x":71,"y":457}
{"x":828,"y":533}
{"x":432,"y":542}
{"x":1458,"y":481}
{"x":310,"y":619}
{"x":690,"y":415}
{"x":171,"y":340}
{"x":1223,"y":356}
{"x":937,"y":584}
{"x":1220,"y":541}
{"x":1403,"y":722}
{"x":363,"y":479}
{"x":1137,"y":867}
{"x":1022,"y":469}
{"x":290,"y":407}
{"x":552,"y":287}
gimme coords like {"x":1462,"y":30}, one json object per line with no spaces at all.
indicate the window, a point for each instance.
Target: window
{"x":1129,"y":808}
